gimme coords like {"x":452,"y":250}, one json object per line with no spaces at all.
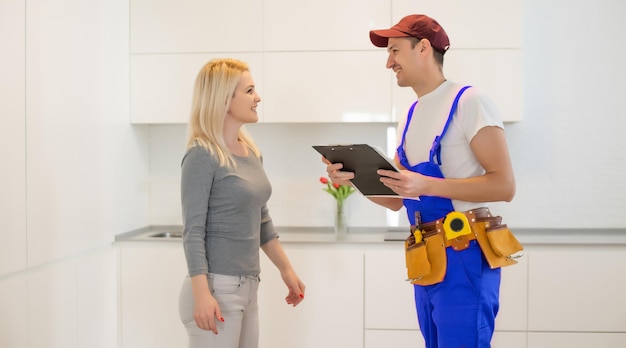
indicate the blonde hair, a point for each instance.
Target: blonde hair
{"x":212,"y":94}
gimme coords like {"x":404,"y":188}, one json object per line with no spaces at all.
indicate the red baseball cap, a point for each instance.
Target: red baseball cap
{"x":419,"y":26}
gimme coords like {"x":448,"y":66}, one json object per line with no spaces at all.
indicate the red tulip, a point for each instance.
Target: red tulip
{"x":340,"y":192}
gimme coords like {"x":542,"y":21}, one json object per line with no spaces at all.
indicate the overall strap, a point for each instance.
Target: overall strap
{"x":408,"y":121}
{"x":435,"y":151}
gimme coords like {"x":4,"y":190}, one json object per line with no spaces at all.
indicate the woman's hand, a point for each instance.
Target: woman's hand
{"x":206,"y":310}
{"x":295,"y":286}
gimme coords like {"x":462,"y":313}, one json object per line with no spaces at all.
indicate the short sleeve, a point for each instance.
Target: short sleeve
{"x":477,"y":111}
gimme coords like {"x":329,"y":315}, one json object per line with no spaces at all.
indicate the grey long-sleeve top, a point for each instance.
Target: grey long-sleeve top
{"x":225,"y":217}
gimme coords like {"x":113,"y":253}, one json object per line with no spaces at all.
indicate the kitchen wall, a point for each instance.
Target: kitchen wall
{"x":291,"y":164}
{"x":74,"y":170}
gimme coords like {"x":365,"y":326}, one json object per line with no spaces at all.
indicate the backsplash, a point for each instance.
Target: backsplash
{"x":292,"y":166}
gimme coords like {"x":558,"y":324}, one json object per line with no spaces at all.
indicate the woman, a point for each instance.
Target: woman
{"x":224,"y":193}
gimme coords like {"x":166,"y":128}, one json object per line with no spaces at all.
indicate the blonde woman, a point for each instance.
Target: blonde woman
{"x":224,"y":193}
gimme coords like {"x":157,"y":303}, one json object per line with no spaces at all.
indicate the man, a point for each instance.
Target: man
{"x":453,"y":154}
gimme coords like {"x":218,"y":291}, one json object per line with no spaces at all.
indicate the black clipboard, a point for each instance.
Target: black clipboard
{"x":364,"y":160}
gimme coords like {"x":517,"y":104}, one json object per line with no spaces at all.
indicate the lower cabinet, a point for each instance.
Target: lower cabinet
{"x":331,"y":314}
{"x":390,"y":308}
{"x":151,"y":275}
{"x":393,"y":339}
{"x":577,"y":339}
{"x":357,"y":297}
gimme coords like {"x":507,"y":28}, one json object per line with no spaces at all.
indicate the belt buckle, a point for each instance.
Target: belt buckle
{"x":459,"y":243}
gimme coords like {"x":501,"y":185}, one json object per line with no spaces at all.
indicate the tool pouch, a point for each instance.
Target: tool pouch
{"x":426,"y":260}
{"x":496,"y":241}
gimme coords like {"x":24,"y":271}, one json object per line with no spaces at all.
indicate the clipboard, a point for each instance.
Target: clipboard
{"x":364,"y":160}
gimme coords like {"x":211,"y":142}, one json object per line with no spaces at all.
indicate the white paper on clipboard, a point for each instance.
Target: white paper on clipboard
{"x":364,"y":160}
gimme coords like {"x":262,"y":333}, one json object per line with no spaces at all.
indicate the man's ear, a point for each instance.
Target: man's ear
{"x":424,"y":45}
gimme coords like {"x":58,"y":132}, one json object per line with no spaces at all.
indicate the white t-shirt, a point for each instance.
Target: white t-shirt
{"x":475,"y":111}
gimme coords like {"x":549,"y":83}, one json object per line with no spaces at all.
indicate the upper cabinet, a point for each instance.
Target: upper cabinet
{"x":313,"y":62}
{"x":161,"y":85}
{"x":189,"y":26}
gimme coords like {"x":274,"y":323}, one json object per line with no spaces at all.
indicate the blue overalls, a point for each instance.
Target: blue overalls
{"x":460,"y":311}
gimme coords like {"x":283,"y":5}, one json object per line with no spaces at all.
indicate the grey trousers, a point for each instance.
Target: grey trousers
{"x":237,"y":297}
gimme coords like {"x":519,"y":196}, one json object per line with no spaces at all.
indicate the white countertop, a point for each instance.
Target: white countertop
{"x":526,"y":236}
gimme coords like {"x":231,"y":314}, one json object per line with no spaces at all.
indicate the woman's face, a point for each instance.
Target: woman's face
{"x":245,"y":100}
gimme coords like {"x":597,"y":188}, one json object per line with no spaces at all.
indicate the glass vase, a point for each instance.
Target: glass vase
{"x":341,"y":219}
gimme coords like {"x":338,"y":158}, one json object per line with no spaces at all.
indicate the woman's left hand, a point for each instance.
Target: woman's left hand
{"x":295,"y":286}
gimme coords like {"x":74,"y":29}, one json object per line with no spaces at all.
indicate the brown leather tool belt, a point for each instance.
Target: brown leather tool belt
{"x":461,"y":242}
{"x":426,"y":246}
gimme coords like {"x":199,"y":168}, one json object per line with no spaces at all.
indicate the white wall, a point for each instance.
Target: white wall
{"x":568,"y":152}
{"x":73,"y":174}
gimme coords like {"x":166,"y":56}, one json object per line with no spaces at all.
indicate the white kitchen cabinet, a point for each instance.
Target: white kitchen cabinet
{"x":506,"y":339}
{"x":161,"y":85}
{"x":13,"y":300}
{"x":389,"y":299}
{"x":476,"y":24}
{"x":578,"y":288}
{"x":308,"y":78}
{"x":331,"y":314}
{"x":77,"y":93}
{"x":576,"y":339}
{"x":174,"y":26}
{"x":13,"y":254}
{"x":73,"y":303}
{"x":52,"y":306}
{"x":151,"y":275}
{"x":356,"y":296}
{"x":97,"y":299}
{"x":393,"y":338}
{"x":329,"y":86}
{"x":331,"y":25}
{"x":491,"y":70}
{"x":513,"y":312}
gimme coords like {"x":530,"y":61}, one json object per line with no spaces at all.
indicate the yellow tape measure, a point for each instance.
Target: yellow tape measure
{"x":455,"y":225}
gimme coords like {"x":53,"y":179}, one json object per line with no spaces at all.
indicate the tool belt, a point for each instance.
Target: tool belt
{"x":425,"y":248}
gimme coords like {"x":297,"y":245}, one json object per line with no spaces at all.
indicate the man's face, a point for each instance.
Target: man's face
{"x":403,"y":60}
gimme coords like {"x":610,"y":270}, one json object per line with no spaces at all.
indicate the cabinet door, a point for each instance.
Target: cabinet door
{"x":577,"y":289}
{"x":576,"y":339}
{"x":14,"y":300}
{"x":335,"y":89}
{"x":389,"y":300}
{"x":151,"y":277}
{"x":513,"y":312}
{"x":502,"y":339}
{"x":161,"y":85}
{"x":13,"y":253}
{"x":393,"y":338}
{"x":331,"y":314}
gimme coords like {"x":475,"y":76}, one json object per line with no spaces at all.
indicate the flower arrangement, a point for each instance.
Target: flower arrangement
{"x":340,"y":192}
